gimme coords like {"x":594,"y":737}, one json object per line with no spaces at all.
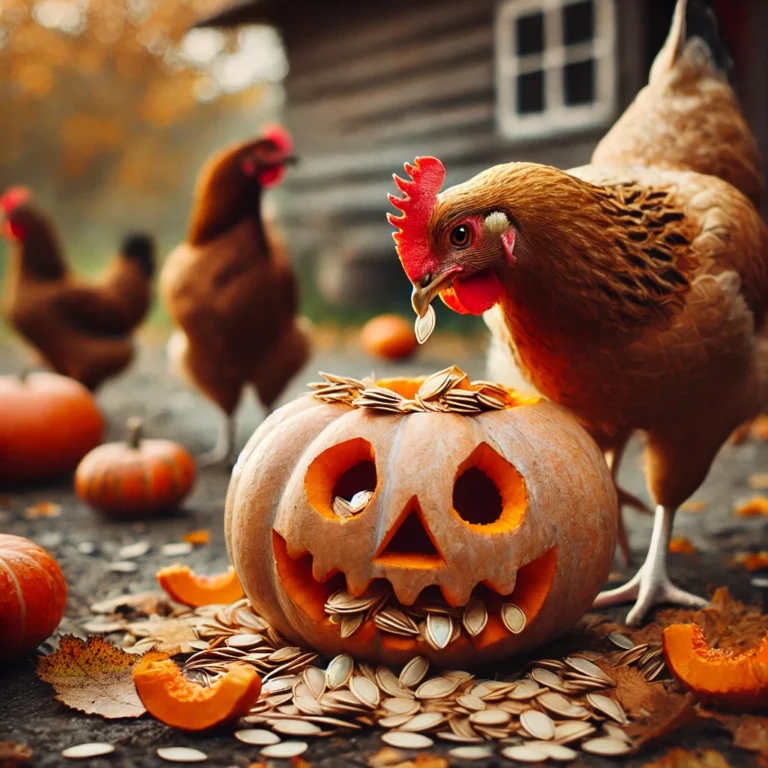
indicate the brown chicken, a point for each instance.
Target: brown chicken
{"x":82,"y":330}
{"x":230,"y":288}
{"x":632,"y":295}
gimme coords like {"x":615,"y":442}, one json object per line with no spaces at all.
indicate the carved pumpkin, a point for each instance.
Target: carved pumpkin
{"x":49,"y":422}
{"x":723,"y":677}
{"x":33,"y":595}
{"x":137,"y":478}
{"x":390,"y":337}
{"x":472,"y":522}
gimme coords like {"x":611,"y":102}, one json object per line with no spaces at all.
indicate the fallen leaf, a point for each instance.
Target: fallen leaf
{"x":94,"y":677}
{"x":13,"y":754}
{"x":198,"y":537}
{"x":759,"y":481}
{"x":693,"y":506}
{"x":756,"y":506}
{"x":749,"y":732}
{"x":42,"y":509}
{"x":759,"y":428}
{"x":386,"y":756}
{"x":752,"y":561}
{"x":165,"y":634}
{"x":138,"y":604}
{"x":684,"y":758}
{"x":680,"y":545}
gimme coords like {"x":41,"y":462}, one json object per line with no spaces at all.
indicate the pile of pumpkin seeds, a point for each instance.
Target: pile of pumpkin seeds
{"x":447,"y":391}
{"x":434,"y":620}
{"x":548,"y":711}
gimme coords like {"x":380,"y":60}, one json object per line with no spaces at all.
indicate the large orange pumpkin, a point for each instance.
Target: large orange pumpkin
{"x":137,"y":478}
{"x":500,"y":518}
{"x":48,"y":423}
{"x":33,"y":595}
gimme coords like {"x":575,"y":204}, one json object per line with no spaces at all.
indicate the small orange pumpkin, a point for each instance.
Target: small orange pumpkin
{"x":389,"y":337}
{"x":180,"y":703}
{"x":49,"y":422}
{"x":33,"y":595}
{"x":136,"y":478}
{"x":185,"y":587}
{"x":723,"y":677}
{"x":497,"y":507}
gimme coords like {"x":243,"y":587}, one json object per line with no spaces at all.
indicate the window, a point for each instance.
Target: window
{"x":555,"y":65}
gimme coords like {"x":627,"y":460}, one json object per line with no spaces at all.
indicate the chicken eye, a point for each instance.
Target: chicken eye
{"x":460,"y":236}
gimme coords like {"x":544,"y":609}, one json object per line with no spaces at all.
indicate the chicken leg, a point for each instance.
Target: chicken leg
{"x":651,"y":585}
{"x":224,"y":449}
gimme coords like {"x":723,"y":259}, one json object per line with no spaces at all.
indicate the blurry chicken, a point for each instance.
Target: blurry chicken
{"x":230,"y":288}
{"x":82,"y":330}
{"x":631,"y":295}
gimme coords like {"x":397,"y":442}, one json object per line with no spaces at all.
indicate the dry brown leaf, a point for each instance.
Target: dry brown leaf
{"x":169,"y":635}
{"x":140,"y":603}
{"x":93,"y":677}
{"x":198,"y":537}
{"x":756,"y":506}
{"x":680,"y":545}
{"x":13,"y":754}
{"x":684,"y":758}
{"x":749,"y":732}
{"x":386,"y":756}
{"x":693,"y":506}
{"x":752,"y":561}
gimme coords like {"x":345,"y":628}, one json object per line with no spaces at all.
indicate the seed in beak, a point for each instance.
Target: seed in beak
{"x":425,"y":325}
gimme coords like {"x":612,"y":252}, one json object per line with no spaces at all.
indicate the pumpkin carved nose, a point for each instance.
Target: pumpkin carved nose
{"x":410,"y":543}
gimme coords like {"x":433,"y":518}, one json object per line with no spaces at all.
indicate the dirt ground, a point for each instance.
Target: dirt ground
{"x":28,"y":712}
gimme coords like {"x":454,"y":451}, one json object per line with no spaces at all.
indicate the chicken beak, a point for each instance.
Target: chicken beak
{"x":429,"y":287}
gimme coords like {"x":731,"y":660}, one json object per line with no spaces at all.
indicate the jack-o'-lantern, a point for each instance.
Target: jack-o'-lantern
{"x":441,"y":517}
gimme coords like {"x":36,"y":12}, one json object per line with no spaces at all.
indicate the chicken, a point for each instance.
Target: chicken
{"x":80,"y":329}
{"x":230,"y":287}
{"x":631,"y":291}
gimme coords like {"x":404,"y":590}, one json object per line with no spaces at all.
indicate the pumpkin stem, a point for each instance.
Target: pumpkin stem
{"x":134,"y":432}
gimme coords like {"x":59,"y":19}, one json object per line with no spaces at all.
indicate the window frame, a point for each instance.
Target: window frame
{"x":557,"y":118}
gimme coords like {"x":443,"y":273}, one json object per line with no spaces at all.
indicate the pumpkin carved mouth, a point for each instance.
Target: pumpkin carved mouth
{"x":532,"y":587}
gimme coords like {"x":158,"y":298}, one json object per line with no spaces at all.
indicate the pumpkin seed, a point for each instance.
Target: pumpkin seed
{"x":130,"y":551}
{"x":257,"y":737}
{"x":614,"y":732}
{"x":490,"y":717}
{"x":406,"y":740}
{"x":474,"y":618}
{"x":587,"y":668}
{"x":414,"y":672}
{"x":525,"y":753}
{"x":176,"y":549}
{"x":608,"y":707}
{"x":525,"y":689}
{"x":350,"y":624}
{"x":605,"y":745}
{"x":423,"y":722}
{"x":89,"y":750}
{"x":285,"y":750}
{"x":436,"y":688}
{"x":471,"y":753}
{"x":365,"y":691}
{"x":244,"y":641}
{"x":471,"y":702}
{"x":424,"y":325}
{"x":339,"y":671}
{"x":539,"y":725}
{"x":621,"y":641}
{"x":513,"y":617}
{"x":555,"y":751}
{"x":296,"y":728}
{"x":315,"y":680}
{"x":397,"y":706}
{"x":123,"y":566}
{"x":572,"y":730}
{"x":181,"y":755}
{"x":439,"y":630}
{"x":394,"y":721}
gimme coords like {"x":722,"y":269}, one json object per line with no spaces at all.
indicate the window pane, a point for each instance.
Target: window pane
{"x":530,"y":34}
{"x":530,"y":92}
{"x":578,"y":22}
{"x":579,"y":81}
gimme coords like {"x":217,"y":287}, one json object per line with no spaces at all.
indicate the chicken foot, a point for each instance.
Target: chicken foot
{"x":651,"y":585}
{"x":223,"y":451}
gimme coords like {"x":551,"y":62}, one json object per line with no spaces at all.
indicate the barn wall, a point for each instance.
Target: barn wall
{"x":370,"y":89}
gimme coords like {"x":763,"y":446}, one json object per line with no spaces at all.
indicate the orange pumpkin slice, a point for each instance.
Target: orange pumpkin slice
{"x":178,"y":702}
{"x":724,"y":677}
{"x":184,"y":586}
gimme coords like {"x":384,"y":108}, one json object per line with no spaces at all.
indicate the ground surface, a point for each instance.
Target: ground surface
{"x":28,"y":712}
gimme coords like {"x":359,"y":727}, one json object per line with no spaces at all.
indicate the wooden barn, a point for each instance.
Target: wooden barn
{"x":473,"y":82}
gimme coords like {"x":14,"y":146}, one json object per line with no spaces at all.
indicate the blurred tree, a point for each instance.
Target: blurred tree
{"x":109,"y":107}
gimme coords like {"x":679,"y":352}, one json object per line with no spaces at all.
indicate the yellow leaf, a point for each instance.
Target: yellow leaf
{"x":94,"y":677}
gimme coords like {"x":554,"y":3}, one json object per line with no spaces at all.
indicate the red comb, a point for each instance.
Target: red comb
{"x":419,"y":197}
{"x":13,"y":198}
{"x":279,"y":136}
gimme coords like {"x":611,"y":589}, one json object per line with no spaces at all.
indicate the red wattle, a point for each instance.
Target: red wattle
{"x":475,"y":294}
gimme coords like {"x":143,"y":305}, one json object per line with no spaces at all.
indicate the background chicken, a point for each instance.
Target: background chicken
{"x":631,"y":295}
{"x":230,"y":288}
{"x":80,"y":329}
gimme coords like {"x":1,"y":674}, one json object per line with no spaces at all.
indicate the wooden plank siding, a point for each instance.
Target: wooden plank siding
{"x":369,"y":89}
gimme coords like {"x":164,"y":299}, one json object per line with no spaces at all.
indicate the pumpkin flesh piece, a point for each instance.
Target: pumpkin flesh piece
{"x":185,"y":587}
{"x":534,"y":581}
{"x":718,"y":675}
{"x":178,"y":702}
